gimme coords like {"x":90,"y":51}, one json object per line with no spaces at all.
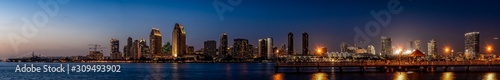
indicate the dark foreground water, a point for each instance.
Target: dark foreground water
{"x":230,"y":71}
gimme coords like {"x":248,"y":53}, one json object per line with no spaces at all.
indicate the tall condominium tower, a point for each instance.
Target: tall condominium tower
{"x":240,"y":48}
{"x":223,"y":47}
{"x":178,"y":40}
{"x":155,"y":42}
{"x":290,"y":43}
{"x":386,"y":46}
{"x":432,"y":49}
{"x":115,"y":49}
{"x":210,"y":47}
{"x":270,"y":49}
{"x":262,"y":48}
{"x":471,"y":44}
{"x":305,"y":44}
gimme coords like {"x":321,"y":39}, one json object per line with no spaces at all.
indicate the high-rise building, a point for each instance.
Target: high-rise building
{"x":265,"y":48}
{"x":432,"y":49}
{"x":155,"y":43}
{"x":136,"y":50}
{"x":210,"y":48}
{"x":240,"y":48}
{"x":290,"y":44}
{"x":411,"y":45}
{"x":471,"y":44}
{"x":115,"y":49}
{"x":190,"y":50}
{"x":128,"y":48}
{"x":386,"y":46}
{"x":305,"y":44}
{"x":417,"y":44}
{"x":144,"y":49}
{"x":178,"y":40}
{"x":262,"y":48}
{"x":223,"y":47}
{"x":270,"y":50}
{"x":371,"y":49}
{"x":344,"y":47}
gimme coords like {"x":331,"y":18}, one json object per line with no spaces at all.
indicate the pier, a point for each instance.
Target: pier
{"x":424,"y":66}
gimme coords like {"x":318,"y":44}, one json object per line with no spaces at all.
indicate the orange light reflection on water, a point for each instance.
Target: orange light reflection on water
{"x":448,"y":76}
{"x":319,"y":76}
{"x":400,"y":76}
{"x":278,"y":76}
{"x":490,"y":76}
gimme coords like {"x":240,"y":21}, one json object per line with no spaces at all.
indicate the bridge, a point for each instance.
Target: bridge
{"x":385,"y":66}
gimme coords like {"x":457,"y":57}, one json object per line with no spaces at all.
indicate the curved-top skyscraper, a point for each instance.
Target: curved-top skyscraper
{"x":155,"y":42}
{"x":178,"y":40}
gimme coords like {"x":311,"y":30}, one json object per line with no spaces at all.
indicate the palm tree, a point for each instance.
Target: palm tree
{"x":167,"y":47}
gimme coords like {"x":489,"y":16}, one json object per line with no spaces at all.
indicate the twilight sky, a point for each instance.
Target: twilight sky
{"x":328,"y":22}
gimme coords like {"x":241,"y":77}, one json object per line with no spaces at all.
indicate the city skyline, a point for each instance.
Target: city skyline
{"x":326,"y":27}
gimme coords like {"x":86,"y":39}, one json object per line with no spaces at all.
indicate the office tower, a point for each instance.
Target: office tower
{"x":210,"y":47}
{"x":344,"y":47}
{"x":240,"y":47}
{"x":270,"y":50}
{"x":386,"y":46}
{"x":223,"y":47}
{"x":262,"y":48}
{"x":115,"y":49}
{"x":371,"y":49}
{"x":417,"y":44}
{"x":432,"y":49}
{"x":136,"y":50}
{"x":250,"y":51}
{"x":290,"y":44}
{"x":144,"y":49}
{"x":471,"y":44}
{"x":411,"y":45}
{"x":190,"y":50}
{"x":178,"y":40}
{"x":128,"y":48}
{"x":305,"y":44}
{"x":155,"y":43}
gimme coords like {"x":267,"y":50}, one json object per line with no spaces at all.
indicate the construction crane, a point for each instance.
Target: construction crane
{"x":96,"y":47}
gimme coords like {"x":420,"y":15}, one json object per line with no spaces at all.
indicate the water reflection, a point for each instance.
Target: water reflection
{"x":400,"y":76}
{"x":155,"y":73}
{"x":278,"y":76}
{"x":319,"y":76}
{"x":448,"y":76}
{"x":490,"y":76}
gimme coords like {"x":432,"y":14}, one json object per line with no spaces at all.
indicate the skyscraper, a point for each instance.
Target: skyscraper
{"x":262,"y":48}
{"x":155,"y":43}
{"x":432,"y":49}
{"x":471,"y":44}
{"x":305,"y":44}
{"x":136,"y":50}
{"x":240,"y":48}
{"x":417,"y":44}
{"x":223,"y":47}
{"x":290,"y":43}
{"x":128,"y":48}
{"x":269,"y":46}
{"x":343,"y":47}
{"x":178,"y":40}
{"x":190,"y":50}
{"x":144,"y":49}
{"x":210,"y":47}
{"x":386,"y":46}
{"x":371,"y":49}
{"x":115,"y":49}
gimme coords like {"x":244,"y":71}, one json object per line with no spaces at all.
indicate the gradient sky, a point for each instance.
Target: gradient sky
{"x":328,"y":22}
